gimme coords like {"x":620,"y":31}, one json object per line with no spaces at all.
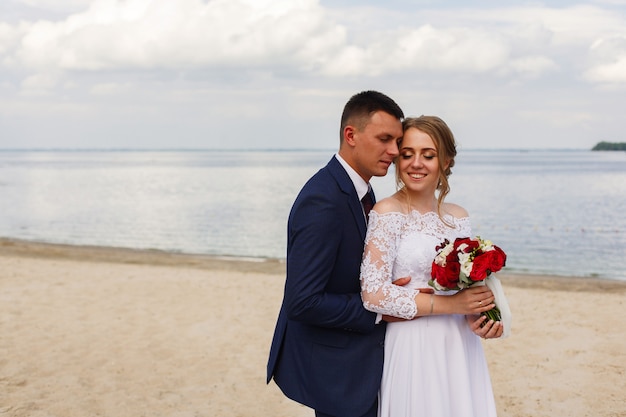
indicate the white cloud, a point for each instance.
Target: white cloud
{"x":458,"y":50}
{"x":39,"y":83}
{"x":533,"y":66}
{"x":64,"y":6}
{"x":546,"y":39}
{"x":9,"y":39}
{"x":612,"y":2}
{"x":108,"y":89}
{"x":572,"y":25}
{"x":609,"y":61}
{"x":272,"y":66}
{"x":145,"y":34}
{"x":299,"y":37}
{"x":614,"y":72}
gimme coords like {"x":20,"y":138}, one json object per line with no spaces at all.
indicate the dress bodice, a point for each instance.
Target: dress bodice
{"x":400,"y":245}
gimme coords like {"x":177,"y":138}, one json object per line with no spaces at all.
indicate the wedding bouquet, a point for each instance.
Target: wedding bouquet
{"x":466,"y":262}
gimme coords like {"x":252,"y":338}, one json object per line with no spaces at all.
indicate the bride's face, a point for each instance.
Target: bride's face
{"x":418,"y":162}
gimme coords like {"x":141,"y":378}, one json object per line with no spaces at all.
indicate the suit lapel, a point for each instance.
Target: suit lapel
{"x":347,"y":187}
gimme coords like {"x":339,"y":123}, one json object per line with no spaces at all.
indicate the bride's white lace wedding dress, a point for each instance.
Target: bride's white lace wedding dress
{"x":434,"y":365}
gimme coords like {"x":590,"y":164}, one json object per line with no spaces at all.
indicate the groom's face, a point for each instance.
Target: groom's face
{"x":376,"y":144}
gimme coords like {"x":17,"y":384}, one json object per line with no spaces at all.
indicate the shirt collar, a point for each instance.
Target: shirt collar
{"x":360,"y":185}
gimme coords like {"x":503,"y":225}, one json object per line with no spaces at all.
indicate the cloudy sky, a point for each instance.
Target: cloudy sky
{"x":235,"y":74}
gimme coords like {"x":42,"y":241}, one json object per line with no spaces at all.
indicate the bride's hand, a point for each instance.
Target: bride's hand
{"x":484,"y":327}
{"x":474,"y":300}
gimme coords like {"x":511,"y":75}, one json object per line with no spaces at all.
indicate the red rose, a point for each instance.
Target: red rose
{"x":487,"y":262}
{"x":472,"y":244}
{"x":437,"y":272}
{"x":497,"y":259}
{"x":447,"y":276}
{"x":452,"y":257}
{"x":454,"y":271}
{"x":480,"y":267}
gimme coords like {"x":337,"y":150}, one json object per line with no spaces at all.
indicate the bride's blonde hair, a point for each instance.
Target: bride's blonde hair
{"x":445,"y":144}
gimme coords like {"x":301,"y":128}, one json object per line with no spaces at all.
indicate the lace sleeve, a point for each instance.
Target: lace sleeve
{"x":377,"y":291}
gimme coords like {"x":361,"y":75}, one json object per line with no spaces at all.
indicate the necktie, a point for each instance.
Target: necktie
{"x":368,"y":203}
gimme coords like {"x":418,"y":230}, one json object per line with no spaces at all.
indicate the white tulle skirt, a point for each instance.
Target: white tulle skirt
{"x":435,"y":366}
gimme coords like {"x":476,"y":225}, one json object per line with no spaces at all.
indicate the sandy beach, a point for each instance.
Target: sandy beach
{"x":105,"y":332}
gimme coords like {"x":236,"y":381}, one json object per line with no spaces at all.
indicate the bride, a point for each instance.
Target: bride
{"x":434,"y":362}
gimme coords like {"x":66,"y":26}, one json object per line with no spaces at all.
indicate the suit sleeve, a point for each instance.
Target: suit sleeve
{"x":321,"y":249}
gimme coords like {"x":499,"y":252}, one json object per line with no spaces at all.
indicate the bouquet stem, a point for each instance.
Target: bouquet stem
{"x":493,"y":314}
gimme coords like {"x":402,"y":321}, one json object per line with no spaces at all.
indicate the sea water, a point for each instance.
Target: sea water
{"x":552,"y":212}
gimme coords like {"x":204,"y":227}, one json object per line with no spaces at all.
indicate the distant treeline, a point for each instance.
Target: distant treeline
{"x":610,"y":146}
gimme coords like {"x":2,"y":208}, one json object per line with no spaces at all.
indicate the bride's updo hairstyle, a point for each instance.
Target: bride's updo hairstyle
{"x":445,"y":144}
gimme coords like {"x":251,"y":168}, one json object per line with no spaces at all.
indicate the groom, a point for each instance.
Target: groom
{"x":327,"y":350}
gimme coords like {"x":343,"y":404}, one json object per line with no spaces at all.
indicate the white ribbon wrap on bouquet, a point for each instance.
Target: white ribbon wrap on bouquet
{"x":495,"y":286}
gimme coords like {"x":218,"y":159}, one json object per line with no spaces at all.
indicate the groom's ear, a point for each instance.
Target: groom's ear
{"x":349,"y":133}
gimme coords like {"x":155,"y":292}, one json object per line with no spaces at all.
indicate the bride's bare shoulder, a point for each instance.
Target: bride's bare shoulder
{"x":389,"y":205}
{"x":455,"y":210}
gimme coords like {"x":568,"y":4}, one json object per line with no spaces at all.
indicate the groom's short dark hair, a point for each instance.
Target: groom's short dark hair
{"x":360,"y":107}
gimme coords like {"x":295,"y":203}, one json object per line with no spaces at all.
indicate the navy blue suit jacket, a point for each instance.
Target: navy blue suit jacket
{"x":327,"y":351}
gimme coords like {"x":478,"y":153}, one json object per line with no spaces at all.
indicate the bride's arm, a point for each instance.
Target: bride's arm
{"x":378,"y":292}
{"x":380,"y":295}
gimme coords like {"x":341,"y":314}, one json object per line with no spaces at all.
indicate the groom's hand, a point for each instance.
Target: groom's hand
{"x":402,"y":281}
{"x":392,"y":319}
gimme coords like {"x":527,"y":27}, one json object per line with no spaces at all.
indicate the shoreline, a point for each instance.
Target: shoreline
{"x":88,"y":253}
